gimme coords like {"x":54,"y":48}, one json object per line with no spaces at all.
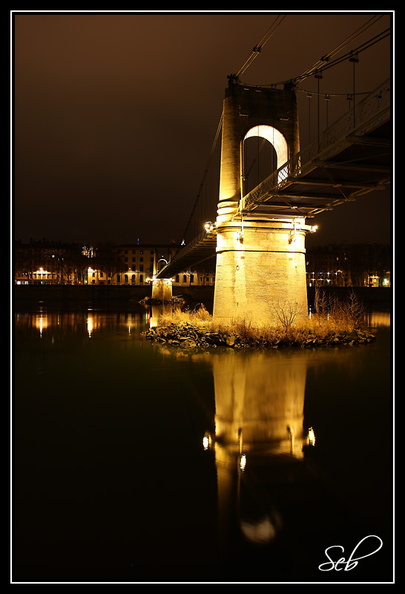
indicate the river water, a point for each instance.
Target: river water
{"x":138,"y":462}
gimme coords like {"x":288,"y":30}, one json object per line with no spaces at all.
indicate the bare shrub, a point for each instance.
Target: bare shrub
{"x":348,"y":313}
{"x":320,"y":302}
{"x":286,"y":314}
{"x":355,"y":310}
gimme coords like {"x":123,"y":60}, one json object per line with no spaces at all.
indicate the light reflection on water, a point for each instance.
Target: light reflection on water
{"x":376,"y":319}
{"x":140,"y":462}
{"x":90,"y":320}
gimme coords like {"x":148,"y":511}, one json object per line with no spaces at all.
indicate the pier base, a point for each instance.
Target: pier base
{"x":162,"y":289}
{"x":261,"y":272}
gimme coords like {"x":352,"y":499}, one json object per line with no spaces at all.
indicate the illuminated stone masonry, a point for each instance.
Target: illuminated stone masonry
{"x":260,"y":275}
{"x":260,"y":269}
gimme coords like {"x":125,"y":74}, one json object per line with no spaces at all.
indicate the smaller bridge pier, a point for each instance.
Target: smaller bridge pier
{"x":261,"y":271}
{"x":162,"y":289}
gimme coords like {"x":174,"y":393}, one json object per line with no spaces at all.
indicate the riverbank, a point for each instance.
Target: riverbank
{"x":102,"y":295}
{"x":378,"y":297}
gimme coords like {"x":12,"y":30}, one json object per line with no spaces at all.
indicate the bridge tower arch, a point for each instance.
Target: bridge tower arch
{"x":278,"y":142}
{"x":260,"y":269}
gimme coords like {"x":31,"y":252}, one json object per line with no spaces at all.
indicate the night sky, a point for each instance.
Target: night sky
{"x":115,"y":115}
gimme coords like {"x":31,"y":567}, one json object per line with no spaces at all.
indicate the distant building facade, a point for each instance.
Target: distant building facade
{"x":43,"y":262}
{"x":48,"y":263}
{"x":345,"y":265}
{"x":136,"y":264}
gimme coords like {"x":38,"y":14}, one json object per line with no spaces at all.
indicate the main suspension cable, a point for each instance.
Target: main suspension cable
{"x":213,"y":147}
{"x":338,"y":48}
{"x":347,"y":56}
{"x":258,"y":48}
{"x":325,"y":63}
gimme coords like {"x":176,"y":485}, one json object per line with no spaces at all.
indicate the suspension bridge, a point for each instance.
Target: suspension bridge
{"x":258,"y":234}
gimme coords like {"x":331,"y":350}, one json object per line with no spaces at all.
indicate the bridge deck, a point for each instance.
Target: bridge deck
{"x":200,"y":249}
{"x":362,"y":166}
{"x":351,"y":158}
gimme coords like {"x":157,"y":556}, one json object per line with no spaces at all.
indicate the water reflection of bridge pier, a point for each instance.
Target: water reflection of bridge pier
{"x":259,"y":439}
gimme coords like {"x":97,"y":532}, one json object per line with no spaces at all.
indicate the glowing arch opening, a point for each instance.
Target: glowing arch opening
{"x":275,"y":138}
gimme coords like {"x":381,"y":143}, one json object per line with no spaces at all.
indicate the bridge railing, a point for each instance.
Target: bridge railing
{"x":360,"y":120}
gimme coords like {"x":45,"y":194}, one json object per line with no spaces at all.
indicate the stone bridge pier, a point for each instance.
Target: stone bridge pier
{"x":260,"y":269}
{"x":261,"y":272}
{"x":162,"y":289}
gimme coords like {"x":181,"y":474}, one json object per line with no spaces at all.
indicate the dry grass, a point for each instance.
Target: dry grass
{"x":198,"y":317}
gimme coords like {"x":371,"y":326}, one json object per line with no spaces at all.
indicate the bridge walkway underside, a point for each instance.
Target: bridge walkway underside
{"x":359,"y":165}
{"x":202,"y":248}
